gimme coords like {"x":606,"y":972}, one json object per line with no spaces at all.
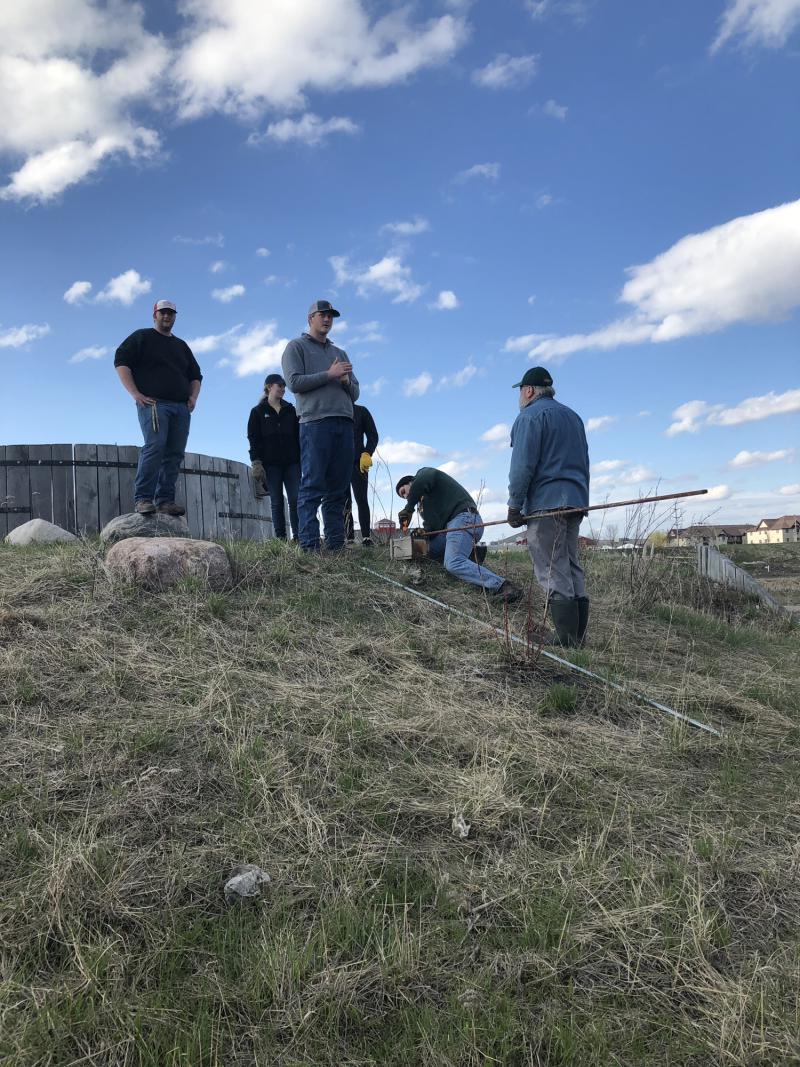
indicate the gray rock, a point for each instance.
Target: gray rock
{"x":135,"y":525}
{"x":160,"y":562}
{"x":38,"y":532}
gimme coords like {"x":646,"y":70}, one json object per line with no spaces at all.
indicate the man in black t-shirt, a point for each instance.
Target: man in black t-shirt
{"x":161,"y":374}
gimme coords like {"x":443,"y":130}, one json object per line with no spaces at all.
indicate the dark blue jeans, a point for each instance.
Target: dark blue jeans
{"x":162,"y":452}
{"x":278,"y":479}
{"x":326,"y":451}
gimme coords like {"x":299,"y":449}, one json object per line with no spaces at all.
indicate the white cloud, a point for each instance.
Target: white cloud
{"x":256,"y":351}
{"x":532,"y":298}
{"x":218,"y":266}
{"x":124,"y":288}
{"x":244,"y":58}
{"x":309,"y":130}
{"x":407,"y":228}
{"x":410,"y":452}
{"x":506,"y":72}
{"x":625,"y":476}
{"x":754,"y":459}
{"x":93,"y":352}
{"x":389,"y":275}
{"x":455,"y":468}
{"x":375,"y":388}
{"x":230,"y":293}
{"x":764,"y":22}
{"x":262,"y":252}
{"x":525,"y":342}
{"x":459,"y":379}
{"x":18,"y":336}
{"x":216,"y":239}
{"x":417,"y":386}
{"x":599,"y":422}
{"x":212,"y":341}
{"x":445,"y":301}
{"x":746,"y":270}
{"x":718,"y":492}
{"x":272,"y":279}
{"x":498,"y":436}
{"x":694,"y":414}
{"x":609,"y":464}
{"x":554,"y":110}
{"x":544,"y":200}
{"x":73,"y":74}
{"x":77,"y":292}
{"x":790,"y":490}
{"x":491,"y":171}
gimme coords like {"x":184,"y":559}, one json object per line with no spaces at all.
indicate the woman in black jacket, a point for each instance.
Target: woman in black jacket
{"x":274,"y":435}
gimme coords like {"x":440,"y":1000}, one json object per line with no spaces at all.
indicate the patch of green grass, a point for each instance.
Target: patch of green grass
{"x":560,"y":697}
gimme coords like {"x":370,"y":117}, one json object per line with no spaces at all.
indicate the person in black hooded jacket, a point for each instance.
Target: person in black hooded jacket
{"x":274,"y":435}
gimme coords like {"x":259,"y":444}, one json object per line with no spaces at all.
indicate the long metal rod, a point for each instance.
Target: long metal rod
{"x":551,"y":655}
{"x":573,"y":511}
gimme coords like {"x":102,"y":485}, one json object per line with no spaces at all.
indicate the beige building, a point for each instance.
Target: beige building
{"x":775,"y":531}
{"x":709,"y":535}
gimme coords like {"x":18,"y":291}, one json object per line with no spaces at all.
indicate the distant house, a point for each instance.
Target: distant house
{"x":775,"y":531}
{"x":384,"y":529}
{"x":709,"y":535}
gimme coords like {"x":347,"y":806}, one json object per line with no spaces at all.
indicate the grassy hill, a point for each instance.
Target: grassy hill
{"x":628,"y":892}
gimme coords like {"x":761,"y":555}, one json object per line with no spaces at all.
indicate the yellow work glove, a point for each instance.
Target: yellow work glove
{"x":365,"y":462}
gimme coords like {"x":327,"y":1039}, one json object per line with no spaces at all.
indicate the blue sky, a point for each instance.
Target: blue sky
{"x":609,"y":189}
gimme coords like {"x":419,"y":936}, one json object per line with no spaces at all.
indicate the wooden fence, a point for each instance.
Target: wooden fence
{"x":82,"y":487}
{"x":718,"y":568}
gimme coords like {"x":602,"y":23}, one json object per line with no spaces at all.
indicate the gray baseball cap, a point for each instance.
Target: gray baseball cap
{"x":323,"y":305}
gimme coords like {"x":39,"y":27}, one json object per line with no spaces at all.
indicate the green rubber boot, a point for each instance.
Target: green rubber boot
{"x":583,"y":618}
{"x":564,"y":614}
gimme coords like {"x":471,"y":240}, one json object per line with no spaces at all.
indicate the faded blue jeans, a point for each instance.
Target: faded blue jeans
{"x":454,"y":549}
{"x":162,"y":452}
{"x":326,"y":460}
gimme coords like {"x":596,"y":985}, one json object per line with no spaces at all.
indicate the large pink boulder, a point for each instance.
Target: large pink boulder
{"x":160,"y":562}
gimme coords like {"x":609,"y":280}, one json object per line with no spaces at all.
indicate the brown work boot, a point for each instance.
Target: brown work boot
{"x":171,"y":509}
{"x":144,"y":507}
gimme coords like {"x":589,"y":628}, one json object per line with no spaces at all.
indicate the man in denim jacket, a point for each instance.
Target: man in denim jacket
{"x":550,"y":471}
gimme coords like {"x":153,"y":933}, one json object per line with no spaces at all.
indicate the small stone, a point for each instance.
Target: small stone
{"x":38,"y":532}
{"x":245,"y":882}
{"x":460,"y":827}
{"x":133,"y":525}
{"x":160,"y":562}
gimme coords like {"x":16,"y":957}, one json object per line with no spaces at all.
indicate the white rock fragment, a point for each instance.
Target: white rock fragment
{"x":38,"y":532}
{"x":460,"y":826}
{"x":246,"y":881}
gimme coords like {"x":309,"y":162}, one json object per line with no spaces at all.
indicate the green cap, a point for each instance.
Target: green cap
{"x":535,"y":376}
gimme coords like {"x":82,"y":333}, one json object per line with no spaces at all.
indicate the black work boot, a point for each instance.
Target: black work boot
{"x":478,"y":554}
{"x":564,"y":614}
{"x":583,"y":618}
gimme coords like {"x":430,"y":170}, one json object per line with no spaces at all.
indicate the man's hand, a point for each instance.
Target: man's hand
{"x":145,"y":401}
{"x":365,"y":462}
{"x":337,"y":371}
{"x":515,"y":517}
{"x":259,"y":479}
{"x":404,"y":518}
{"x":191,"y":403}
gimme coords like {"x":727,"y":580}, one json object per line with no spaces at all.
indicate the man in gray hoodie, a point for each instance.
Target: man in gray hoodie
{"x":321,"y":377}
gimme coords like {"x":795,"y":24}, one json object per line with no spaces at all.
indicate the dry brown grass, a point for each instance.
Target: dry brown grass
{"x":628,"y":894}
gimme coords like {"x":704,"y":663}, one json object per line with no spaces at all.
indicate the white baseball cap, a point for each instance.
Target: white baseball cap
{"x":164,"y":305}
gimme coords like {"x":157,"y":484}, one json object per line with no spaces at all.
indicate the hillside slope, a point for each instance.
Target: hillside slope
{"x":628,"y":892}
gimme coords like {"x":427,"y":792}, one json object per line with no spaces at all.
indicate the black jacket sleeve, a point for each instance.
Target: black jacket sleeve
{"x":371,"y":431}
{"x":253,"y":435}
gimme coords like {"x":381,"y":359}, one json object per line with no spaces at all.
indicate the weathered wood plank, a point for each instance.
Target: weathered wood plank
{"x":62,"y":479}
{"x":223,"y":496}
{"x":18,"y":487}
{"x":41,"y":482}
{"x":194,"y":496}
{"x":127,"y":476}
{"x":108,"y":506}
{"x":86,"y":510}
{"x":234,"y":497}
{"x":209,"y":486}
